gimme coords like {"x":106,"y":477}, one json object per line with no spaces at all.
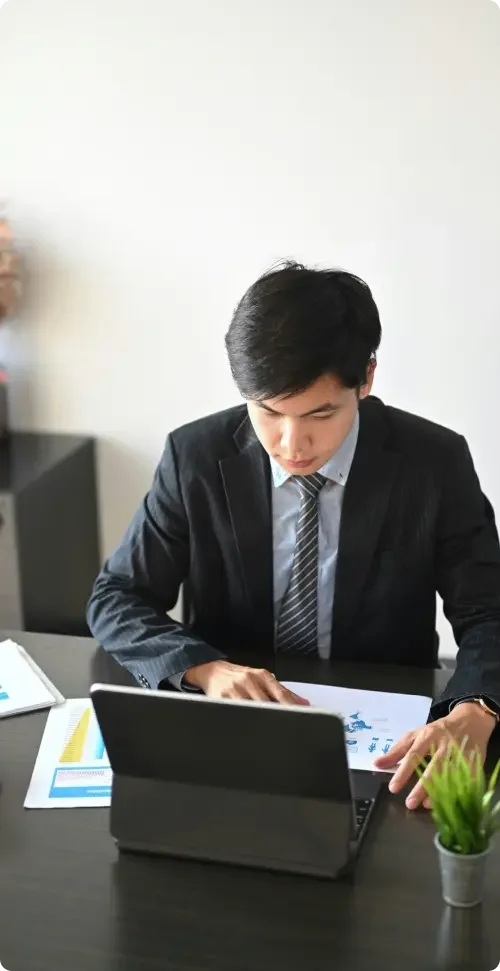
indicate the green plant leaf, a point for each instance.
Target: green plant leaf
{"x":494,"y":776}
{"x":495,"y":811}
{"x":462,"y":806}
{"x":479,"y":773}
{"x":487,"y":800}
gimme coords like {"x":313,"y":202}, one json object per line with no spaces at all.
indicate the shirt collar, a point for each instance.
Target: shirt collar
{"x":338,"y":466}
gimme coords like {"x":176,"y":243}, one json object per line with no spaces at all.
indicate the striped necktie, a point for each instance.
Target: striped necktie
{"x":298,"y":619}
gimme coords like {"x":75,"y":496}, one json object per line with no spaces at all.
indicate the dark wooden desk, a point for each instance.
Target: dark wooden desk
{"x":69,"y":903}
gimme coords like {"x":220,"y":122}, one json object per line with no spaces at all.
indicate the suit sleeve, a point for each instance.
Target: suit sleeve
{"x":468,"y":580}
{"x":141,"y":581}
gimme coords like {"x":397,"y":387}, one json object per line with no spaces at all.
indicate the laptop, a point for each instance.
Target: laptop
{"x":236,"y":782}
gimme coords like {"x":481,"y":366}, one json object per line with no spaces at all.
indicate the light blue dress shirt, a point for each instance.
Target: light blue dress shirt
{"x":285,"y":507}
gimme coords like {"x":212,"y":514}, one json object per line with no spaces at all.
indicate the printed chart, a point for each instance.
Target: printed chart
{"x":72,"y":767}
{"x":373,"y":720}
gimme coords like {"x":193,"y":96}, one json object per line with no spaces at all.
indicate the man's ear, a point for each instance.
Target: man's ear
{"x":366,"y":388}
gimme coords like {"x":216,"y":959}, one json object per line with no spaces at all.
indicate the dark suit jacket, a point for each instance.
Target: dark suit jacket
{"x":414,"y":521}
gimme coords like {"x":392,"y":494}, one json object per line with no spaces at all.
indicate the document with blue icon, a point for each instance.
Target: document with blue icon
{"x":373,"y":720}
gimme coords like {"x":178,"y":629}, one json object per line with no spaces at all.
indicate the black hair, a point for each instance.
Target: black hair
{"x":295,"y":324}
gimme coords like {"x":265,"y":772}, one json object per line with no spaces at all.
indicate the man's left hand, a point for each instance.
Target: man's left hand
{"x":467,"y":719}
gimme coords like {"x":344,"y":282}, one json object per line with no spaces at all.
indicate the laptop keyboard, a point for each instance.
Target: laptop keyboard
{"x":362,"y":807}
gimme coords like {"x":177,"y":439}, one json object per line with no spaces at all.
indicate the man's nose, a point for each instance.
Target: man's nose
{"x":292,"y":440}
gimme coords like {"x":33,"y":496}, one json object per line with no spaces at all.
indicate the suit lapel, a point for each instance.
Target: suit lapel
{"x":247,"y":483}
{"x":364,"y":508}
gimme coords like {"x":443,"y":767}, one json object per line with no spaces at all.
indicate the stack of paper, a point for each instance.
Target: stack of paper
{"x":23,"y":685}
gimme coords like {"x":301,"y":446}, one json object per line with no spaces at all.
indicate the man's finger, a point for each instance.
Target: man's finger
{"x":281,"y":694}
{"x":257,"y":691}
{"x":286,"y":697}
{"x":290,"y":698}
{"x":418,"y":794}
{"x":396,"y":753}
{"x":237,"y":692}
{"x":248,"y":688}
{"x":405,"y":771}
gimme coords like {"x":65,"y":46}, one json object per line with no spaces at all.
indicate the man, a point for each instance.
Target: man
{"x":313,"y":519}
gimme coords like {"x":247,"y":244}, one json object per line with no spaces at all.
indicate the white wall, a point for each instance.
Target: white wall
{"x":157,"y":156}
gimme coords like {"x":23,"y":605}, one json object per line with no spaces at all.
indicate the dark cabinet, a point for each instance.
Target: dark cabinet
{"x":49,"y":531}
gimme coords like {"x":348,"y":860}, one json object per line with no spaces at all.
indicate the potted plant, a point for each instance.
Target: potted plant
{"x":466,"y":820}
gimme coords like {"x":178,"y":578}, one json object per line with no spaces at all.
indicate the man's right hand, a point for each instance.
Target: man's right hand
{"x":221,"y":679}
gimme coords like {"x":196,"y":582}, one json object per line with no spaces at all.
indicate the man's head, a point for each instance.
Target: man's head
{"x":302,"y":347}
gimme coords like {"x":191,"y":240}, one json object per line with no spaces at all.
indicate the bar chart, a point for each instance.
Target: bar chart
{"x":83,"y":741}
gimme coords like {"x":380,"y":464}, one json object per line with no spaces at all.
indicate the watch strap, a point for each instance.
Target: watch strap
{"x":482,"y":703}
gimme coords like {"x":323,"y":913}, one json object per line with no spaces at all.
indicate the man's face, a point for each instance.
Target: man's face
{"x":302,"y":432}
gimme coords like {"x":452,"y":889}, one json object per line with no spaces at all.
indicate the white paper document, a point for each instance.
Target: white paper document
{"x":23,"y":685}
{"x":373,"y":720}
{"x":72,"y":767}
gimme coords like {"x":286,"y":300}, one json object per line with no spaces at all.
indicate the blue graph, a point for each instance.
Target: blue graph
{"x":357,"y":724}
{"x":99,"y":749}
